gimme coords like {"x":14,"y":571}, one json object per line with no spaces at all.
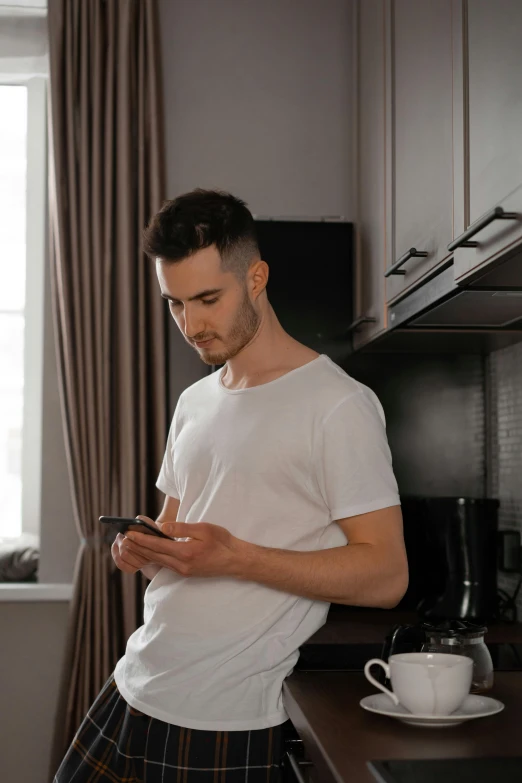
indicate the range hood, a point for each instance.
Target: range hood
{"x":491,"y":302}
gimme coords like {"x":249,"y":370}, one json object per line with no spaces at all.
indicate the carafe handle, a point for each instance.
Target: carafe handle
{"x":410,"y":633}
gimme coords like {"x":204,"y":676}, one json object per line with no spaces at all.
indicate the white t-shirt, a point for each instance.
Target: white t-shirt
{"x":275,"y":464}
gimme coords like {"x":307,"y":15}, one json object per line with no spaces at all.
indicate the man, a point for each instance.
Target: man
{"x":273,"y":465}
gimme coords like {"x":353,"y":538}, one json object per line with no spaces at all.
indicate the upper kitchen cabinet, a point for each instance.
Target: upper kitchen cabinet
{"x":487,"y":53}
{"x":369,"y":300}
{"x":419,"y":136}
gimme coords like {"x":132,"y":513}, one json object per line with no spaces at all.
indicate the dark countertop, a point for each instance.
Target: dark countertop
{"x":340,"y":737}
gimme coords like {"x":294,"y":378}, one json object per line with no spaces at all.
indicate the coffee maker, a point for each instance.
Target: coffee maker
{"x":451,"y":544}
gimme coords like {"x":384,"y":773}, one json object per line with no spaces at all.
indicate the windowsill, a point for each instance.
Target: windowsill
{"x":32,"y":591}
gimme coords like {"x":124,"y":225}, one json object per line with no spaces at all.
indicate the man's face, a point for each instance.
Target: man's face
{"x":212,"y":308}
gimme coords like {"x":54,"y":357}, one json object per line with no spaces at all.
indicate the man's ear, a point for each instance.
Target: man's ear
{"x":258,"y":278}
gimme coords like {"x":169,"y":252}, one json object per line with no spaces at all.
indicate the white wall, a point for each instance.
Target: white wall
{"x":33,"y":645}
{"x":258,"y":102}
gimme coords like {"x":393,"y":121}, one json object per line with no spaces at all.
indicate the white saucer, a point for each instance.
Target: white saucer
{"x":475,"y":706}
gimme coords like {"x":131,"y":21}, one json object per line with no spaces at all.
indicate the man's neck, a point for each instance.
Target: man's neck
{"x":271,"y":354}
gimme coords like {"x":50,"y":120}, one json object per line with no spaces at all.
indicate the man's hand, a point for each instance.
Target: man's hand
{"x":126,"y":555}
{"x":211,"y":551}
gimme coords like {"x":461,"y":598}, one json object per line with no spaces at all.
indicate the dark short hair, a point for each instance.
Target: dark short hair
{"x":199,"y":219}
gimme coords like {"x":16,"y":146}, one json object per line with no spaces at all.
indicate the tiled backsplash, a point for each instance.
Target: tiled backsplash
{"x":504,"y":458}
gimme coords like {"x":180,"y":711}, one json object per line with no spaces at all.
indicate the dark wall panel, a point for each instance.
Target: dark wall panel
{"x":434,"y":408}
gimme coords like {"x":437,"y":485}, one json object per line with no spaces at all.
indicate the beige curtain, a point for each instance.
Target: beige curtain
{"x":107,"y":178}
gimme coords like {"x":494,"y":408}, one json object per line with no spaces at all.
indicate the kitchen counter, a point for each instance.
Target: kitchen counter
{"x":340,"y":737}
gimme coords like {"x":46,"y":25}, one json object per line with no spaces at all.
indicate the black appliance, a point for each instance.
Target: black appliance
{"x":310,"y":283}
{"x":451,"y":545}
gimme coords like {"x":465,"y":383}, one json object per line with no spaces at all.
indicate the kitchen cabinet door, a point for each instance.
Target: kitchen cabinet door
{"x":488,"y":129}
{"x":420,"y":139}
{"x":369,"y":304}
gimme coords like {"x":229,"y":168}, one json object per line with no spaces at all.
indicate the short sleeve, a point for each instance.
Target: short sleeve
{"x":353,"y":461}
{"x":167,"y":478}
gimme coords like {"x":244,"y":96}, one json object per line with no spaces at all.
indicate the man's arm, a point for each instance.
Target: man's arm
{"x":168,"y":513}
{"x":371,"y":570}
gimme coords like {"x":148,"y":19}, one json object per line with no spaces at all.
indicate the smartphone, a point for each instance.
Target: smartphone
{"x":122,"y":524}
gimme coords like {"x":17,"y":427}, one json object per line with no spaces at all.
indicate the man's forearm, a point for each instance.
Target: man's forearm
{"x":356,"y":574}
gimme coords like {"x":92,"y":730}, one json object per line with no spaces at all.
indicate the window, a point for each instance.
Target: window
{"x":34,"y":481}
{"x":13,"y":187}
{"x":23,"y":151}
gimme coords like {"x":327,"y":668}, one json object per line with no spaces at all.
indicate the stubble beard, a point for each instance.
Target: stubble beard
{"x":243,"y":329}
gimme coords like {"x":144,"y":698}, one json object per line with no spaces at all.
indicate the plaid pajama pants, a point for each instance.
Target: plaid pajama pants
{"x":118,"y":744}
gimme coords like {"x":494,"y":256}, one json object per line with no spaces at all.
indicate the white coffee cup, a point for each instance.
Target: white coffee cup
{"x":426,"y":683}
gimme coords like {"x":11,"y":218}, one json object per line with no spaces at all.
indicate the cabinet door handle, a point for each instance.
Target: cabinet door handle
{"x":364,"y":319}
{"x":497,"y":213}
{"x":396,"y":268}
{"x":295,"y":765}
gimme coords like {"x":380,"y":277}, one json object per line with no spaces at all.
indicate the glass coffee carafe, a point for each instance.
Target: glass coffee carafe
{"x":455,"y":637}
{"x":467,"y":640}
